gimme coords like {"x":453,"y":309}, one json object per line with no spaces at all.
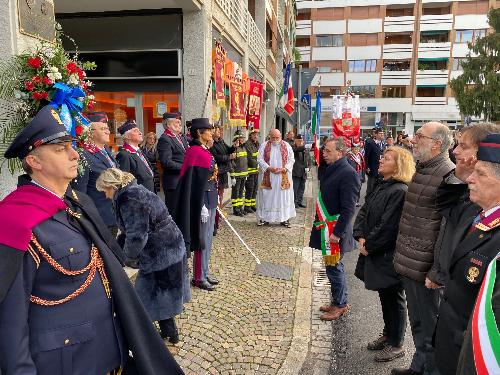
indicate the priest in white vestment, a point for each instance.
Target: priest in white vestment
{"x":275,"y":201}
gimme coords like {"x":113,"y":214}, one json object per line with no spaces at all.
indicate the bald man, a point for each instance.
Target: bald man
{"x":275,"y":201}
{"x":418,"y":233}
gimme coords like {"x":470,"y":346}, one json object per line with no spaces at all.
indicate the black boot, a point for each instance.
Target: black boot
{"x":168,"y":329}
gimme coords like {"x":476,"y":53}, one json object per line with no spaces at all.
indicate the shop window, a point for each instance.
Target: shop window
{"x":364,"y":91}
{"x":393,"y":92}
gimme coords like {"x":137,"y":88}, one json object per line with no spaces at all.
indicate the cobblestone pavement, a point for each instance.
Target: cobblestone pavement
{"x":339,"y":347}
{"x":244,"y":326}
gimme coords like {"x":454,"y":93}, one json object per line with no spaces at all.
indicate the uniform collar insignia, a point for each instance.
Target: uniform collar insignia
{"x":489,"y":222}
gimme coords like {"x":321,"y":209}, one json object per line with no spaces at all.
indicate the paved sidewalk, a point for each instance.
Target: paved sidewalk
{"x":245,"y":326}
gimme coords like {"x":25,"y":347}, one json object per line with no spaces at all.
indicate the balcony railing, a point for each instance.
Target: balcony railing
{"x":432,"y":77}
{"x":398,"y":51}
{"x":430,"y":100}
{"x":397,"y":78}
{"x":243,"y":21}
{"x":436,"y":22}
{"x":434,"y":50}
{"x":305,"y":53}
{"x":399,"y":24}
{"x":303,"y":27}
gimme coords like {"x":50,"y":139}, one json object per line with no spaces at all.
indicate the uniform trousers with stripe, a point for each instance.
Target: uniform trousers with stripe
{"x":201,"y":259}
{"x":237,"y":194}
{"x":251,"y":189}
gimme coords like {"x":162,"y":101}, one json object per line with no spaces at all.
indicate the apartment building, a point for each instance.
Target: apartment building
{"x":398,"y":55}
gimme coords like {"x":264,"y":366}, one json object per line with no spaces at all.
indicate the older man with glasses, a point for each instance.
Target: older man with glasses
{"x":418,"y":232}
{"x":98,"y":158}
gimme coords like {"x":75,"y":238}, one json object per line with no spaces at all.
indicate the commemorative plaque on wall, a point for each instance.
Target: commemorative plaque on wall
{"x":36,"y":19}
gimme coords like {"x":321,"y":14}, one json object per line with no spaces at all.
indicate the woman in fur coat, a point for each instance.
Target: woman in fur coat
{"x":153,"y":242}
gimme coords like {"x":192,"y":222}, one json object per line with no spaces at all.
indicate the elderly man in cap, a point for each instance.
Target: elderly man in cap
{"x":130,"y":156}
{"x":66,"y":305}
{"x":238,"y":174}
{"x":98,"y":158}
{"x":172,"y":146}
{"x":472,"y":254}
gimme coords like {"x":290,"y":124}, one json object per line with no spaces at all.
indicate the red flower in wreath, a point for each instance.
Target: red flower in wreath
{"x":40,"y":95}
{"x":79,"y":130}
{"x":47,"y":81}
{"x":28,"y":85}
{"x":36,"y":79}
{"x":71,"y":67}
{"x":35,"y":62}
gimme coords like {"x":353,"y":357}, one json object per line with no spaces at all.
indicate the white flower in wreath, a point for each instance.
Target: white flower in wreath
{"x":73,"y":80}
{"x":53,"y":69}
{"x":54,"y":76}
{"x":48,"y":52}
{"x":91,"y":97}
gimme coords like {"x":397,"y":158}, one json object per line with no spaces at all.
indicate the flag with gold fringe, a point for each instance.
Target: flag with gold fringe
{"x":237,"y":115}
{"x":219,"y":61}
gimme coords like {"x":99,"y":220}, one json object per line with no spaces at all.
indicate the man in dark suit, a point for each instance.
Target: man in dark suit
{"x":172,"y":147}
{"x":299,"y":173}
{"x":338,"y":191}
{"x":131,"y":158}
{"x":472,"y":255}
{"x":98,"y":158}
{"x":66,"y":305}
{"x":374,"y":147}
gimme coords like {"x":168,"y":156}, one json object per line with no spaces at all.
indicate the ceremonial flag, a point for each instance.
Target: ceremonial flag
{"x":316,"y":121}
{"x":346,"y":117}
{"x":254,"y":104}
{"x":237,"y":115}
{"x":286,"y":95}
{"x":219,"y":61}
{"x":306,"y":98}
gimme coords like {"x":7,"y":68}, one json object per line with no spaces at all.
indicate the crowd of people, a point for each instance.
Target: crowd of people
{"x":427,"y":235}
{"x":428,"y":242}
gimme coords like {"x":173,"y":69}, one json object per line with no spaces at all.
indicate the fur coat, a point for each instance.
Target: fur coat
{"x":150,"y":236}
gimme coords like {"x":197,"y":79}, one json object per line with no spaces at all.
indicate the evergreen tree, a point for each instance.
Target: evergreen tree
{"x":477,"y":90}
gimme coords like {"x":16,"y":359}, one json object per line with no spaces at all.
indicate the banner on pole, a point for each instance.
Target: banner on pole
{"x":237,"y":115}
{"x":254,"y":104}
{"x":219,"y":61}
{"x":346,"y":117}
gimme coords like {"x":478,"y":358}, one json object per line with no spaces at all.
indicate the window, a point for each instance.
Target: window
{"x":393,"y":92}
{"x":329,"y":40}
{"x":364,"y":91}
{"x":362,"y":65}
{"x":399,"y":12}
{"x":434,"y":37}
{"x":396,"y":65}
{"x":463,"y":36}
{"x":478,"y":34}
{"x":457,"y":63}
{"x":363,"y":39}
{"x":324,"y":69}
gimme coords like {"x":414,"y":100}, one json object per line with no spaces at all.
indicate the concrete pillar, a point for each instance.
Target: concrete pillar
{"x":270,"y":117}
{"x":260,"y":16}
{"x":197,"y":62}
{"x":409,"y":126}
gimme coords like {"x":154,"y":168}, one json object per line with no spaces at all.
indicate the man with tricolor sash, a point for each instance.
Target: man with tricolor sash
{"x":332,"y":229}
{"x":470,"y":277}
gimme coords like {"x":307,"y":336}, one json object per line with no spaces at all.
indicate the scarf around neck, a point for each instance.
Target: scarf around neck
{"x":266,"y":179}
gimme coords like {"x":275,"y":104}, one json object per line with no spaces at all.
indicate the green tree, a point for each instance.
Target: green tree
{"x":477,"y":90}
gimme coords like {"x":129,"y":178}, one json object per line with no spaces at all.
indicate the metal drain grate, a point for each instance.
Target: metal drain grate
{"x":276,"y":271}
{"x":320,"y":279}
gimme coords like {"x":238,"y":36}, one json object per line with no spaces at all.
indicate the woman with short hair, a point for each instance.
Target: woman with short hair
{"x":153,"y":243}
{"x":376,"y":229}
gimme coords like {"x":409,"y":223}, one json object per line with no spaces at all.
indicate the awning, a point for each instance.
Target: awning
{"x":433,"y":59}
{"x":435,"y":85}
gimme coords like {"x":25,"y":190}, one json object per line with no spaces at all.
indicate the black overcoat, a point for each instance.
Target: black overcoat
{"x":171,"y":153}
{"x":131,"y":162}
{"x":477,"y":249}
{"x":372,"y":157}
{"x":339,"y":188}
{"x":377,"y":222}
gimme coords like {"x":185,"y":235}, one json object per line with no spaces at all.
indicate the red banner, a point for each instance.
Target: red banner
{"x":254,"y":108}
{"x":237,"y":115}
{"x":346,"y":117}
{"x":219,"y":61}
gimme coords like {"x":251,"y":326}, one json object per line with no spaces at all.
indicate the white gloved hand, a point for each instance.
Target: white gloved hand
{"x":233,"y":182}
{"x":204,"y":214}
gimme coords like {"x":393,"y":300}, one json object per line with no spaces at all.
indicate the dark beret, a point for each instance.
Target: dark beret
{"x":489,"y":148}
{"x":97,"y":116}
{"x":129,"y":124}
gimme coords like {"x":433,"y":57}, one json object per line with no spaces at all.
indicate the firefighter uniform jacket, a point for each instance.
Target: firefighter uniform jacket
{"x":239,"y":165}
{"x":252,"y":151}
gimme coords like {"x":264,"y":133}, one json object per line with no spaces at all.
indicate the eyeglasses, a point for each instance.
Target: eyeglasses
{"x":420,"y":136}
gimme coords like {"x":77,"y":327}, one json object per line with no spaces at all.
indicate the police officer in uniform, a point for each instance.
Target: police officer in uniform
{"x":98,"y":158}
{"x":66,"y":305}
{"x":130,"y":156}
{"x":472,"y":254}
{"x":239,"y":171}
{"x":251,"y":184}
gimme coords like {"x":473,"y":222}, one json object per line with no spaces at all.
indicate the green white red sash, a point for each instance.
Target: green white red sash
{"x":485,"y":334}
{"x":325,"y":224}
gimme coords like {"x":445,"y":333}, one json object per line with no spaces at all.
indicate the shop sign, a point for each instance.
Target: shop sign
{"x":160,"y":109}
